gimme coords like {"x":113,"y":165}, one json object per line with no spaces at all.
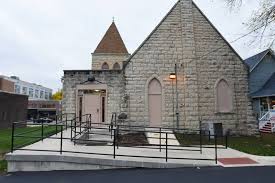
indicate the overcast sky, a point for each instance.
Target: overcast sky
{"x":39,"y":39}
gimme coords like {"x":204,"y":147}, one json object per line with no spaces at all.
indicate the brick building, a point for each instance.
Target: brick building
{"x":212,"y":86}
{"x":13,"y":107}
{"x":6,"y":84}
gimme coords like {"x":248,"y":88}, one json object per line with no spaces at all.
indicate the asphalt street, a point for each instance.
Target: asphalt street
{"x":190,"y":175}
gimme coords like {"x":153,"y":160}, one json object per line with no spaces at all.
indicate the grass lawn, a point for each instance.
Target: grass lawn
{"x":5,"y":140}
{"x":262,"y":146}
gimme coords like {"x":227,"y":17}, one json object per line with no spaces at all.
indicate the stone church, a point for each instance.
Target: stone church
{"x":183,"y":72}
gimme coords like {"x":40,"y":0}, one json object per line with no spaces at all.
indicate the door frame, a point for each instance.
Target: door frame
{"x":91,"y":87}
{"x":160,"y":79}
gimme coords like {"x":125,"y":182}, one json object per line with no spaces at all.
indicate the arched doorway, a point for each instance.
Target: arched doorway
{"x":155,"y":102}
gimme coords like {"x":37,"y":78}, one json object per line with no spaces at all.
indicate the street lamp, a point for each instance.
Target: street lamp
{"x":173,"y":77}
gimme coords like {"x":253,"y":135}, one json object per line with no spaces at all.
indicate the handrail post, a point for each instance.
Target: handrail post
{"x":115,"y":119}
{"x":226,"y":141}
{"x":66,"y":121}
{"x":114,"y":144}
{"x":117,"y":139}
{"x":56,"y":124}
{"x":61,"y":142}
{"x":166,"y":156}
{"x":71,"y":129}
{"x":160,"y":140}
{"x":12,"y":137}
{"x":75,"y":130}
{"x":216,"y":150}
{"x":200,"y":141}
{"x":90,"y":123}
{"x":80,"y":121}
{"x":42,"y":130}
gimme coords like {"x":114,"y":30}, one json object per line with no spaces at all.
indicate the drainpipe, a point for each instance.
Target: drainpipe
{"x":177,"y":97}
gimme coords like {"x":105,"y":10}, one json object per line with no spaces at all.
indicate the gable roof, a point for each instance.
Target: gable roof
{"x":267,"y":90}
{"x":253,"y":61}
{"x":111,"y":42}
{"x":155,"y":29}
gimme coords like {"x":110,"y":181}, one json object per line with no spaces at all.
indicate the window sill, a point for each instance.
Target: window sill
{"x":225,"y":113}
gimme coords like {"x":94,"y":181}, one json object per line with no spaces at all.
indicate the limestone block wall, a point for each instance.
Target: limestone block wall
{"x":187,"y":38}
{"x":100,"y":58}
{"x":113,"y":79}
{"x":155,"y":58}
{"x":223,"y":63}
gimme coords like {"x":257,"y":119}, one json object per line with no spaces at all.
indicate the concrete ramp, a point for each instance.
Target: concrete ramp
{"x":47,"y":155}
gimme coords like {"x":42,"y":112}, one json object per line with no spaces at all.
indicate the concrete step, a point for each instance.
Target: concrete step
{"x":103,"y":136}
{"x":95,"y":137}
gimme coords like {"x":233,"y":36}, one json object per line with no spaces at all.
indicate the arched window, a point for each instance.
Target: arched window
{"x":155,"y":102}
{"x":224,"y":99}
{"x":105,"y":66}
{"x":116,"y":66}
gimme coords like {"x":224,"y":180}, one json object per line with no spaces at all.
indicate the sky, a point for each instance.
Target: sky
{"x":40,"y":39}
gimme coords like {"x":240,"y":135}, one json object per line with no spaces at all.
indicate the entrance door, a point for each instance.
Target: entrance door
{"x":91,"y":105}
{"x":155,"y":102}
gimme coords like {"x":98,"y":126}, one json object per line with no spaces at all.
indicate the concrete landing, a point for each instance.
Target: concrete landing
{"x":154,"y":138}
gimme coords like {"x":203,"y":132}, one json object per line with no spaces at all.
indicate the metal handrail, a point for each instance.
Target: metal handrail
{"x":116,"y":145}
{"x":86,"y":127}
{"x":265,"y":117}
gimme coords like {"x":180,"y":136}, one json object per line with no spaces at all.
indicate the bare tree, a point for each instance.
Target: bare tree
{"x":262,"y":22}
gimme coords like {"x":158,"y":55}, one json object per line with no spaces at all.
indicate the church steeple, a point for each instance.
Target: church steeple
{"x":111,"y":42}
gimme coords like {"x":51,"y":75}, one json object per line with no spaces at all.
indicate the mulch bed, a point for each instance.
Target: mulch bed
{"x":133,"y":139}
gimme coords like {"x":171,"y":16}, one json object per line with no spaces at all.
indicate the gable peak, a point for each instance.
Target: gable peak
{"x":111,"y":42}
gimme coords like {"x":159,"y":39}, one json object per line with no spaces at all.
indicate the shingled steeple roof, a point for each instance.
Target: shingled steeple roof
{"x":111,"y":42}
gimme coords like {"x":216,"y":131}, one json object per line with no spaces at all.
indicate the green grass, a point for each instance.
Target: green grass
{"x":262,"y":146}
{"x":3,"y":166}
{"x":5,"y":139}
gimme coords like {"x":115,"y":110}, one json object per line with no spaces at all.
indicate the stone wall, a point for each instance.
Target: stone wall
{"x":114,"y":80}
{"x":187,"y":38}
{"x":184,"y":37}
{"x":100,"y":58}
{"x":223,"y":63}
{"x":155,"y":58}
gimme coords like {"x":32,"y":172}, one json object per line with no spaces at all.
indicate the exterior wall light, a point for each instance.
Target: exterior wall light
{"x":173,"y":76}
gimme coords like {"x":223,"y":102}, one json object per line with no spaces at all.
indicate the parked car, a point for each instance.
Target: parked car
{"x":43,"y":120}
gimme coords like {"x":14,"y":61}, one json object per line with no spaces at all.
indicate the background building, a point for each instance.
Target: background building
{"x":6,"y":84}
{"x":39,"y":97}
{"x":262,"y":81}
{"x":34,"y":91}
{"x":38,"y":109}
{"x":13,"y":107}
